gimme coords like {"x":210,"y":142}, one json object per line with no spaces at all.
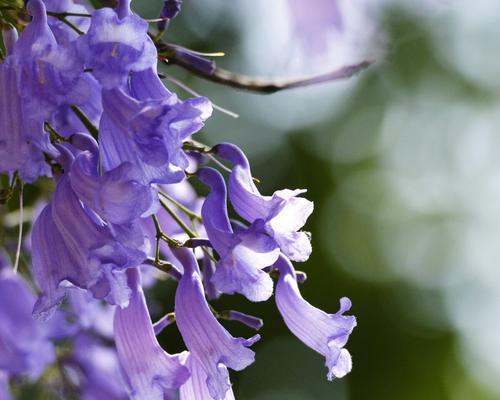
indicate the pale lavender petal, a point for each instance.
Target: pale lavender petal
{"x":243,"y":255}
{"x":116,"y":44}
{"x":117,"y":144}
{"x":195,"y":387}
{"x":208,"y":341}
{"x":90,"y":257}
{"x":240,"y":270}
{"x":150,"y":370}
{"x":245,"y":197}
{"x":117,"y":196}
{"x":214,"y":211}
{"x":283,"y":213}
{"x":325,"y":333}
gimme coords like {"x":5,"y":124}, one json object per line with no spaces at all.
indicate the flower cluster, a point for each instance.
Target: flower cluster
{"x":81,"y":102}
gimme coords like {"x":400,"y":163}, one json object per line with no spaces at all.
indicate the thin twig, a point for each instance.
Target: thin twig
{"x":192,"y":92}
{"x":86,"y":122}
{"x":190,"y":214}
{"x":65,"y":21}
{"x":179,"y":221}
{"x":20,"y":235}
{"x":252,"y":84}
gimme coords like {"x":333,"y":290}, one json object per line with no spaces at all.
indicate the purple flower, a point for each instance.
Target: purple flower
{"x":169,"y":10}
{"x":71,"y":244}
{"x":149,"y":134}
{"x":117,"y":196}
{"x":98,"y":370}
{"x":243,"y":254}
{"x":151,"y":371}
{"x":281,"y":215}
{"x":196,"y":387}
{"x":22,"y":139}
{"x":25,"y":346}
{"x":116,"y":44}
{"x":208,"y":342}
{"x":325,"y":333}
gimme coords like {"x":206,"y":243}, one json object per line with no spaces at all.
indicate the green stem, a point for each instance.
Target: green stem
{"x":190,"y":214}
{"x":67,"y":14}
{"x":86,"y":122}
{"x":65,"y":21}
{"x":176,"y":218}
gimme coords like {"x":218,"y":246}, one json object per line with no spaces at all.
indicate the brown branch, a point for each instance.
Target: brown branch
{"x":253,"y":84}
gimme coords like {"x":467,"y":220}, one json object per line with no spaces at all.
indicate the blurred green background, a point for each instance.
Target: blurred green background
{"x":402,"y":165}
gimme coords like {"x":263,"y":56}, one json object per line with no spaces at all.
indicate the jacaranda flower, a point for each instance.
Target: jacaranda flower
{"x":92,"y":257}
{"x":282,"y":214}
{"x":325,"y":333}
{"x":208,"y":342}
{"x":117,"y":196}
{"x":116,"y":44}
{"x":151,"y":371}
{"x":244,"y":253}
{"x":149,"y":134}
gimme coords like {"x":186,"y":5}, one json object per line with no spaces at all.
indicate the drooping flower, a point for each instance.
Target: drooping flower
{"x":243,"y":254}
{"x":281,"y":215}
{"x":22,"y":139}
{"x":117,"y":43}
{"x":325,"y":333}
{"x":151,"y":371}
{"x":208,"y":342}
{"x":70,"y":243}
{"x":149,"y":134}
{"x":196,"y":386}
{"x":25,"y":346}
{"x":117,"y":196}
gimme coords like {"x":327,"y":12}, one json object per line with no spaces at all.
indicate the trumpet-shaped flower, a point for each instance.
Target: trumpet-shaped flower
{"x":325,"y":333}
{"x":149,"y":134}
{"x":244,"y":253}
{"x":116,"y":44}
{"x":151,"y":371}
{"x":211,"y":345}
{"x":282,"y":214}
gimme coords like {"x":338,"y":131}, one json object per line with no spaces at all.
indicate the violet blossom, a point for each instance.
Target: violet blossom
{"x":207,"y":341}
{"x":325,"y":333}
{"x":243,"y":254}
{"x":281,"y":215}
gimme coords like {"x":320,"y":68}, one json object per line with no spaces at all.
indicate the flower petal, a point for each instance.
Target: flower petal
{"x":325,"y":333}
{"x":208,"y":341}
{"x":151,"y":371}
